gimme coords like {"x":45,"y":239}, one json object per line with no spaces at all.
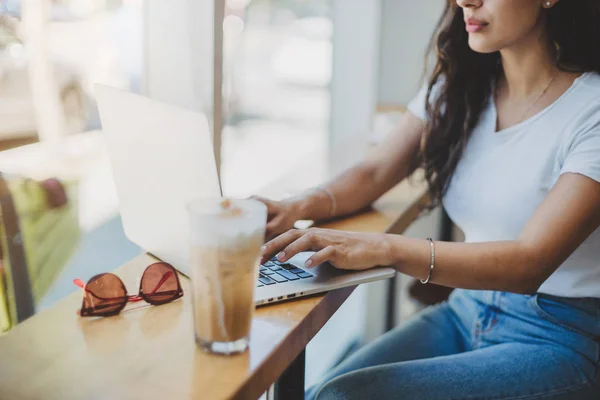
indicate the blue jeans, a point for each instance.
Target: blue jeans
{"x":479,"y":345}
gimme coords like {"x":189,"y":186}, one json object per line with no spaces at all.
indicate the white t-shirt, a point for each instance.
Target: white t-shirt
{"x":504,"y":176}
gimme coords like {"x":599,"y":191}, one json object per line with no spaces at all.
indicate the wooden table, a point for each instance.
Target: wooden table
{"x":149,"y":353}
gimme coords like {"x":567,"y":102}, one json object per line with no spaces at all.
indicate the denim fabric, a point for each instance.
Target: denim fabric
{"x":479,"y":345}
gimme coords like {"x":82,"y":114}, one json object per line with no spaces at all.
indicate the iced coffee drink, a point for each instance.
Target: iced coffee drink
{"x":226,"y":238}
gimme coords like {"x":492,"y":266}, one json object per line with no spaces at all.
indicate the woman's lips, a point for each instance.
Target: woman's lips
{"x":474,"y":25}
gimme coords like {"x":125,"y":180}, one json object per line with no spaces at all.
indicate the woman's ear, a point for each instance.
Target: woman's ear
{"x":549,"y":3}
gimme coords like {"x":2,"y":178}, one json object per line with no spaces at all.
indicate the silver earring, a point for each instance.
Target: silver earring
{"x":548,"y":4}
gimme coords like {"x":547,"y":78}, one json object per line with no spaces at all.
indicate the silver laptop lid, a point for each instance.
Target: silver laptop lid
{"x":161,"y":158}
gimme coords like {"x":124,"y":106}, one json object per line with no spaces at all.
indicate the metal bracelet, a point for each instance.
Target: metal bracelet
{"x":432,"y":262}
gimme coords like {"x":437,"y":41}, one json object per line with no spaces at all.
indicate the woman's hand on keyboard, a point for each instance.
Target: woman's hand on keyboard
{"x":344,"y":250}
{"x":281,"y":216}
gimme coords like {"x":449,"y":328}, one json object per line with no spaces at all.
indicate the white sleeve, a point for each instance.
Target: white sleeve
{"x":418,"y":103}
{"x":583,"y":155}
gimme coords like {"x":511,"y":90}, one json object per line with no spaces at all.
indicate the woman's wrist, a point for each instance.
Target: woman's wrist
{"x":397,"y":251}
{"x":299,"y":206}
{"x":390,"y":249}
{"x":410,"y":256}
{"x":311,"y":205}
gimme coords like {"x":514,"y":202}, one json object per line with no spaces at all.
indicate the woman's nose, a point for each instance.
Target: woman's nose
{"x":469,"y":3}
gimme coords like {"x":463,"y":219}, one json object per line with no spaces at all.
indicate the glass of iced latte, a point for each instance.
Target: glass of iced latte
{"x":226,"y":237}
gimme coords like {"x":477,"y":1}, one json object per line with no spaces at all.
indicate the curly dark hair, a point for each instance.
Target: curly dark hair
{"x":464,"y":81}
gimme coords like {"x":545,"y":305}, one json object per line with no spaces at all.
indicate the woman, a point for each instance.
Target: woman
{"x":508,"y":134}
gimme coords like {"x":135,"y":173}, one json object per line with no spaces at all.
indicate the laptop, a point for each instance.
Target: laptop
{"x":162,"y":158}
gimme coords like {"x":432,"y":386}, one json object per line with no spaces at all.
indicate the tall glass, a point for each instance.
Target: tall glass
{"x":226,"y":237}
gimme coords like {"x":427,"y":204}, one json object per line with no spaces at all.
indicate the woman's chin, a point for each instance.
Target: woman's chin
{"x":481,"y":45}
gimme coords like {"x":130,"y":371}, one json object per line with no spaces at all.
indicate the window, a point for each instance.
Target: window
{"x":277,"y":74}
{"x":52,"y":55}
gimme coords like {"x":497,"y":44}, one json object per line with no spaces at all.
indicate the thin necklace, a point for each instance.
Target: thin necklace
{"x":537,"y":99}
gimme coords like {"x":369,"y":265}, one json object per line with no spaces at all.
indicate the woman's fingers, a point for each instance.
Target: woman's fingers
{"x":279,"y":243}
{"x":261,"y":199}
{"x":273,"y":227}
{"x":328,"y":254}
{"x":271,"y":207}
{"x":308,"y":241}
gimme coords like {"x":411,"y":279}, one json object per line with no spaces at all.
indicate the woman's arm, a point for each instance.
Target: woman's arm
{"x":361,"y":185}
{"x":568,"y":215}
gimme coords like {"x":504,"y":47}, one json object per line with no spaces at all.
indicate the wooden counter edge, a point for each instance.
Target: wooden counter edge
{"x":296,"y":340}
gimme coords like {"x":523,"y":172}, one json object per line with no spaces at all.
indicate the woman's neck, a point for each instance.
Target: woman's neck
{"x":528,"y":66}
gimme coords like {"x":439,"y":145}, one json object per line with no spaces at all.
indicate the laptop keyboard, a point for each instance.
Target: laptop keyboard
{"x":273,"y":272}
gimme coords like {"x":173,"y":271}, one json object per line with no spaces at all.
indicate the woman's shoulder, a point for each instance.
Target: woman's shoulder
{"x":587,"y":97}
{"x":590,"y":82}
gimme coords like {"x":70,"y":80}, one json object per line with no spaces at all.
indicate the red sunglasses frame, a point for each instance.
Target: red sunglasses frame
{"x":141,"y":296}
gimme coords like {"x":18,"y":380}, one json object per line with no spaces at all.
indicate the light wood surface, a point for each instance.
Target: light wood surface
{"x":388,"y":108}
{"x":149,"y":352}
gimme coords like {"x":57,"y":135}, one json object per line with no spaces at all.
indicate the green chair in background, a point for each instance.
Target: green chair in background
{"x":39,"y":232}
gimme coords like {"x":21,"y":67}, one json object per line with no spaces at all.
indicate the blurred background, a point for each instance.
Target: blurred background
{"x":297,"y":77}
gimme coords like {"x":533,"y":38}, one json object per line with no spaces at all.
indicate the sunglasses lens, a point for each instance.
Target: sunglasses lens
{"x":160,"y":284}
{"x":104,"y":295}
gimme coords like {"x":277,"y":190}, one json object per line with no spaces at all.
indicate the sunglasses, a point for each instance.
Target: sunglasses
{"x":105,"y":294}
